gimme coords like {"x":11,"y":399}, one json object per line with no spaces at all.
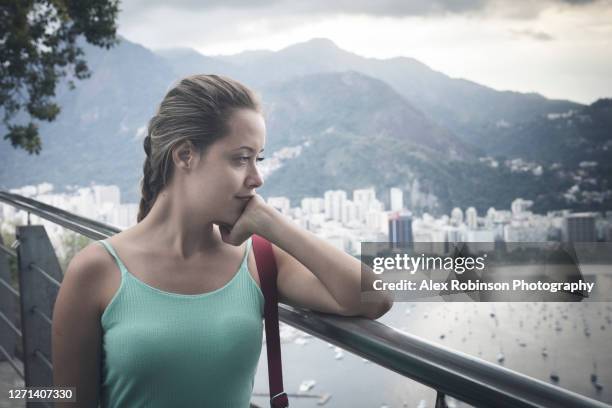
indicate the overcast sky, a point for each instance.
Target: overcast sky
{"x":558,"y":48}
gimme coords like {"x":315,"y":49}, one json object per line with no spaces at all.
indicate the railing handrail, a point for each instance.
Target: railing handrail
{"x":467,"y":378}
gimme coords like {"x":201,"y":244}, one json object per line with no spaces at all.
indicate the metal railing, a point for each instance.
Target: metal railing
{"x":464,"y":377}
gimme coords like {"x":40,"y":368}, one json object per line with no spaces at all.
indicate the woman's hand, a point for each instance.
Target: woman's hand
{"x":255,"y":217}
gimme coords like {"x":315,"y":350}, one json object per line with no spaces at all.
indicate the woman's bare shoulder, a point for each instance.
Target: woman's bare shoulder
{"x":95,"y":258}
{"x":91,"y":269}
{"x":91,"y":257}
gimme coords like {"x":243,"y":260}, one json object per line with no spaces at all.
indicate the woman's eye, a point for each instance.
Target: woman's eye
{"x":245,"y":159}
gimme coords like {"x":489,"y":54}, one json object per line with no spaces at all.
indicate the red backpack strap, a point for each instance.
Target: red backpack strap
{"x":266,"y":268}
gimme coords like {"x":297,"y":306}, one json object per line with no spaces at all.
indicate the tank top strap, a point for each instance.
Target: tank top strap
{"x":123,"y":268}
{"x":246,"y":252}
{"x":111,"y":250}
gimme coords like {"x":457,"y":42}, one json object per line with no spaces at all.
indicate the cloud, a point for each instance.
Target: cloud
{"x":378,"y":8}
{"x":534,"y":35}
{"x":578,"y":2}
{"x":388,"y":8}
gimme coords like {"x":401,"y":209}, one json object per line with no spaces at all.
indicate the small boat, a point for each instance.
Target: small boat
{"x":594,"y":373}
{"x":306,"y":385}
{"x":324,"y":398}
{"x":500,"y":357}
{"x":300,"y":341}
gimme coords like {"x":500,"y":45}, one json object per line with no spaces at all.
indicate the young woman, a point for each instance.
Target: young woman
{"x":169,"y":311}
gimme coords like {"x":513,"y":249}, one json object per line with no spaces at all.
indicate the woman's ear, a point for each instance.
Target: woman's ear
{"x":184,"y":155}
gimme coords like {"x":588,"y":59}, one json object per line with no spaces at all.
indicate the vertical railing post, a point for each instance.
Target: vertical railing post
{"x":8,"y":309}
{"x":440,"y":400}
{"x":39,"y":277}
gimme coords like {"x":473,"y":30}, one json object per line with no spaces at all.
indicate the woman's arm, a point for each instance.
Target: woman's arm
{"x":316,"y":275}
{"x":76,"y":331}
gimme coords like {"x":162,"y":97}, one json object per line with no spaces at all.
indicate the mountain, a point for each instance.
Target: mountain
{"x":575,"y":145}
{"x":355,"y":131}
{"x":345,"y":127}
{"x":470,"y":110}
{"x":353,"y":103}
{"x":568,"y":138}
{"x":186,"y":61}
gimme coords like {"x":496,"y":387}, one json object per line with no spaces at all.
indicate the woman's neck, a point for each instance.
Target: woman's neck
{"x":173,"y":229}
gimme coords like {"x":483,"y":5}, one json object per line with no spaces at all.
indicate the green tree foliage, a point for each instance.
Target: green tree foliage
{"x":38,"y":46}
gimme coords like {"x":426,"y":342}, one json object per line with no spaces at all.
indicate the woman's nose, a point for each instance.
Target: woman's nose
{"x":255,"y":178}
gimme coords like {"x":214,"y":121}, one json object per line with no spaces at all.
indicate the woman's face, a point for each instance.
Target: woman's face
{"x":228,"y":169}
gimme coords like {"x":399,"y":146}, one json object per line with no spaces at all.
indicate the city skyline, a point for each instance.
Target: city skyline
{"x":347,"y":222}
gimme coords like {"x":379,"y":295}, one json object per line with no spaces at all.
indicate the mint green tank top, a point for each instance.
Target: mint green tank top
{"x":163,"y":349}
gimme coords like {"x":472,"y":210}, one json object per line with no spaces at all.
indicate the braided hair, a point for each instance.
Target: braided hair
{"x":197,"y":109}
